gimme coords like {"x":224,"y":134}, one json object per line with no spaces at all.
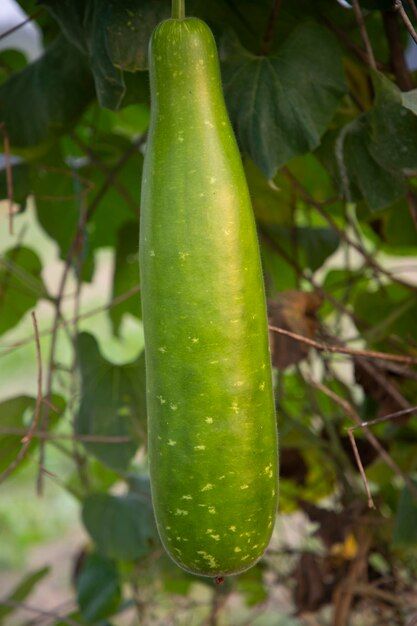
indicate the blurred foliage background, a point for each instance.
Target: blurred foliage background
{"x":322,"y":97}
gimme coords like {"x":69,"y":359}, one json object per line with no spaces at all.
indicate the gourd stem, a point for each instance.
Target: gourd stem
{"x":178,"y":9}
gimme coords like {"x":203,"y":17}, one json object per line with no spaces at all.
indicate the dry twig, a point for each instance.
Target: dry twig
{"x":364,"y":34}
{"x":368,"y":354}
{"x":9,"y":174}
{"x":352,"y":413}
{"x":398,"y":6}
{"x":397,"y":61}
{"x":13,"y":29}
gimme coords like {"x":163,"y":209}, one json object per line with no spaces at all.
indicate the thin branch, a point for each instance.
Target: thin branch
{"x":350,"y":45}
{"x":74,"y":249}
{"x":268,"y":37}
{"x":47,"y":436}
{"x":386,"y":418}
{"x":56,"y":324}
{"x":9,"y":174}
{"x":361,"y":468}
{"x":13,"y":29}
{"x":38,"y":405}
{"x":352,"y":413}
{"x":95,"y":160}
{"x":364,"y":34}
{"x":398,"y":64}
{"x":111,"y":176}
{"x":99,"y":309}
{"x":368,"y":354}
{"x":29,"y":434}
{"x":398,"y":6}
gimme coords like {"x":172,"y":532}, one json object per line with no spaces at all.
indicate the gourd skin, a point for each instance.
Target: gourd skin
{"x":211,"y":418}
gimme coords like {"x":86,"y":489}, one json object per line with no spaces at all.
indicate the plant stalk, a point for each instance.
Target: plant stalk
{"x":178,"y":9}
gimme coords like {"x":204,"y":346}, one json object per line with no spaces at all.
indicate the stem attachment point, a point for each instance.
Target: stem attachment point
{"x":178,"y":9}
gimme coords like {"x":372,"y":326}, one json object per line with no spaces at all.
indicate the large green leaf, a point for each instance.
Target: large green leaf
{"x":375,"y":150}
{"x":21,"y":591}
{"x":281,"y":105}
{"x":393,"y":127}
{"x":43,"y":100}
{"x":122,"y":527}
{"x":114,"y":35}
{"x":98,"y":588}
{"x":21,"y":285}
{"x":112,"y":404}
{"x":360,"y":168}
{"x":126,"y":274}
{"x":17,"y":413}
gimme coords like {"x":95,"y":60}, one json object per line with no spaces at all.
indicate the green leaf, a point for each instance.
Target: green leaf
{"x":113,"y":404}
{"x":359,"y":168}
{"x":393,"y":127}
{"x":126,"y":274}
{"x":114,"y":35}
{"x":399,"y":231}
{"x":21,"y":285}
{"x":281,"y":105}
{"x":374,"y":150}
{"x":43,"y":100}
{"x":11,"y":61}
{"x":122,"y":527}
{"x":98,"y":588}
{"x":16,"y":413}
{"x":312,"y":246}
{"x":22,"y":590}
{"x":405,"y":525}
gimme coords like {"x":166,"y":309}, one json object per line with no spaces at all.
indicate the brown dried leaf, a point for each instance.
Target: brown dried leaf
{"x":295,"y":311}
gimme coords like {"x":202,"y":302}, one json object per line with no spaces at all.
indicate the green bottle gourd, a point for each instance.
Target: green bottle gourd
{"x":211,"y":417}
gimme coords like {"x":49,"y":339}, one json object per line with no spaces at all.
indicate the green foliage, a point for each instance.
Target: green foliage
{"x":113,"y":35}
{"x":98,"y":588}
{"x":21,"y":285}
{"x":273,"y":93}
{"x":17,"y":413}
{"x":46,"y":98}
{"x":122,"y":527}
{"x":22,"y":590}
{"x":112,"y":404}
